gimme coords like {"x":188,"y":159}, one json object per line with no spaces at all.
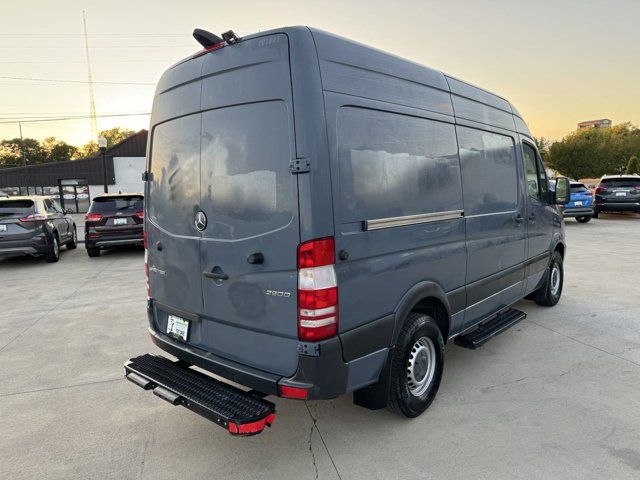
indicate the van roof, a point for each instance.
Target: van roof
{"x":469,"y":101}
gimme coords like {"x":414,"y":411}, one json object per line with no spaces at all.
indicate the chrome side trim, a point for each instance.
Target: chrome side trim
{"x":132,"y":241}
{"x":411,"y":219}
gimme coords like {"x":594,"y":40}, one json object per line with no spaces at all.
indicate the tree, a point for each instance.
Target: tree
{"x":113,"y":136}
{"x":543,"y":146}
{"x":595,"y":152}
{"x":633,"y":166}
{"x":58,"y":150}
{"x":14,"y":151}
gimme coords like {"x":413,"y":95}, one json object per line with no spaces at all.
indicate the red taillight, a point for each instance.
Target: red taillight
{"x":293,"y":392}
{"x":146,"y":270}
{"x":212,"y":48}
{"x":600,"y":189}
{"x":140,"y":214}
{"x":34,"y":217}
{"x":93,"y":217}
{"x":317,"y":290}
{"x":144,"y":239}
{"x":316,"y":253}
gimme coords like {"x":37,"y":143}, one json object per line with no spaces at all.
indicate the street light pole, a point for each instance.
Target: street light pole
{"x":24,"y":159}
{"x":102,"y":144}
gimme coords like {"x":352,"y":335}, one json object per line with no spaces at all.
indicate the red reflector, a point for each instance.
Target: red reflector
{"x":94,"y":235}
{"x":316,"y":253}
{"x":315,"y":299}
{"x":293,"y":392}
{"x":253,"y":427}
{"x":93,"y":217}
{"x":144,"y":239}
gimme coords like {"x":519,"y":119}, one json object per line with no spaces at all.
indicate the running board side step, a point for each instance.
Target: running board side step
{"x":239,"y":412}
{"x":487,"y":331}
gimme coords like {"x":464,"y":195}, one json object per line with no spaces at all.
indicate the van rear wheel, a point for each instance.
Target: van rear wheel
{"x":417,"y":364}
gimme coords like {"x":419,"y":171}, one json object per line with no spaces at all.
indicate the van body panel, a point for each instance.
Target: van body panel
{"x":365,"y":143}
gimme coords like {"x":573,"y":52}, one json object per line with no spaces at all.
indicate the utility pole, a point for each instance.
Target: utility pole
{"x":92,"y":103}
{"x":24,"y":158}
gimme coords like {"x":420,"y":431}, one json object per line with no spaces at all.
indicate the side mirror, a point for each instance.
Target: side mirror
{"x":563,"y":191}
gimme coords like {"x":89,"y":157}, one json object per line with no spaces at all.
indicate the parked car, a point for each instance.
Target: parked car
{"x":35,"y":225}
{"x":581,"y":205}
{"x":319,"y":221}
{"x":618,"y":193}
{"x":114,"y":219}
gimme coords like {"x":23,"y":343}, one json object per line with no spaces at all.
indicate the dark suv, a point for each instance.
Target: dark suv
{"x":618,"y":193}
{"x":35,"y":226}
{"x":114,"y":219}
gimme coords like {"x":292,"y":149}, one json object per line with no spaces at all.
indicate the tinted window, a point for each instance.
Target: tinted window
{"x":175,"y":165}
{"x":620,"y":182}
{"x":542,"y":179}
{"x":394,"y":165}
{"x":246,"y":186}
{"x":489,"y":172}
{"x":532,"y":170}
{"x":579,"y":188}
{"x":17,"y":206}
{"x":133,"y":203}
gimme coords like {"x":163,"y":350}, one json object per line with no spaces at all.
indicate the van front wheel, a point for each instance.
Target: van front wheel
{"x":417,"y":364}
{"x":549,"y":294}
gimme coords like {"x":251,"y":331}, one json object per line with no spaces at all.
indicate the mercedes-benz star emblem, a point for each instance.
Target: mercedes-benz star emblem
{"x":201,"y":221}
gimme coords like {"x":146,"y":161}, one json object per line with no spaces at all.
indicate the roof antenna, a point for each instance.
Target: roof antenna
{"x":206,"y":39}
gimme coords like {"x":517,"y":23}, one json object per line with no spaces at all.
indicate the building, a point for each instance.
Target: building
{"x":602,"y":123}
{"x":76,"y":182}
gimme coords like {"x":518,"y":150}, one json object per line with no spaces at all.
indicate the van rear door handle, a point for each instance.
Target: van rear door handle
{"x":216,"y":276}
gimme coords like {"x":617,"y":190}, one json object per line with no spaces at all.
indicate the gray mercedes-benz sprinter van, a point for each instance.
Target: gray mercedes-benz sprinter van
{"x":322,"y":217}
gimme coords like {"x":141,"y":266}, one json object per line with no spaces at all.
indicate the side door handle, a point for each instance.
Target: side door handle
{"x":216,"y":275}
{"x":519,"y":219}
{"x":532,"y":217}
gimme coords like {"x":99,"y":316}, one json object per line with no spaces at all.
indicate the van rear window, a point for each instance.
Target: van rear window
{"x":394,"y":165}
{"x":232,"y":163}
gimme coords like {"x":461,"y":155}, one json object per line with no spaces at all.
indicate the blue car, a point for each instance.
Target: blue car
{"x":581,"y":204}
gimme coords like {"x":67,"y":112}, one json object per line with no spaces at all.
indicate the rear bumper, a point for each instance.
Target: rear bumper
{"x":577,"y":212}
{"x":618,"y":207}
{"x":326,"y":370}
{"x":113,"y":240}
{"x":32,"y":246}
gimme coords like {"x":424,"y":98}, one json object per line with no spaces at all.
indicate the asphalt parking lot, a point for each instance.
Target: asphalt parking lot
{"x":557,"y":396}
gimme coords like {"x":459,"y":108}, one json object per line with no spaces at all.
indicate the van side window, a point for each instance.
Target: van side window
{"x":532,"y":171}
{"x":489,"y":172}
{"x":394,"y":165}
{"x":542,"y":180}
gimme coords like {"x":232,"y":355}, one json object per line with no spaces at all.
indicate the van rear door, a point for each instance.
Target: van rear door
{"x":250,"y":200}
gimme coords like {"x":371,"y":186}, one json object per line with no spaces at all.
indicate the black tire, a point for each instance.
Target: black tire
{"x":54,"y":255}
{"x":73,"y":243}
{"x":583,"y":219}
{"x":93,"y":252}
{"x":419,"y":334}
{"x":549,"y":294}
{"x":595,"y":214}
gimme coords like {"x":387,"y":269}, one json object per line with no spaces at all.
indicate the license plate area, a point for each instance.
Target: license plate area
{"x":578,"y":203}
{"x":177,"y":327}
{"x":3,"y":228}
{"x":119,"y":221}
{"x":621,"y":194}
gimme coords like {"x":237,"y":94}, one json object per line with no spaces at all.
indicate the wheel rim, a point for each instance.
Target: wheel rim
{"x":75,"y":236}
{"x":421,"y":366}
{"x":55,"y":247}
{"x":555,"y":279}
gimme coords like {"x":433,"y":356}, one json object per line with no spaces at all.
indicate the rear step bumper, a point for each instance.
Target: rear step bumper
{"x":487,"y":331}
{"x":240,"y":412}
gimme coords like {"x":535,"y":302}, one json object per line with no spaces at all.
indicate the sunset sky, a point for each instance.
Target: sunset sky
{"x":559,"y":62}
